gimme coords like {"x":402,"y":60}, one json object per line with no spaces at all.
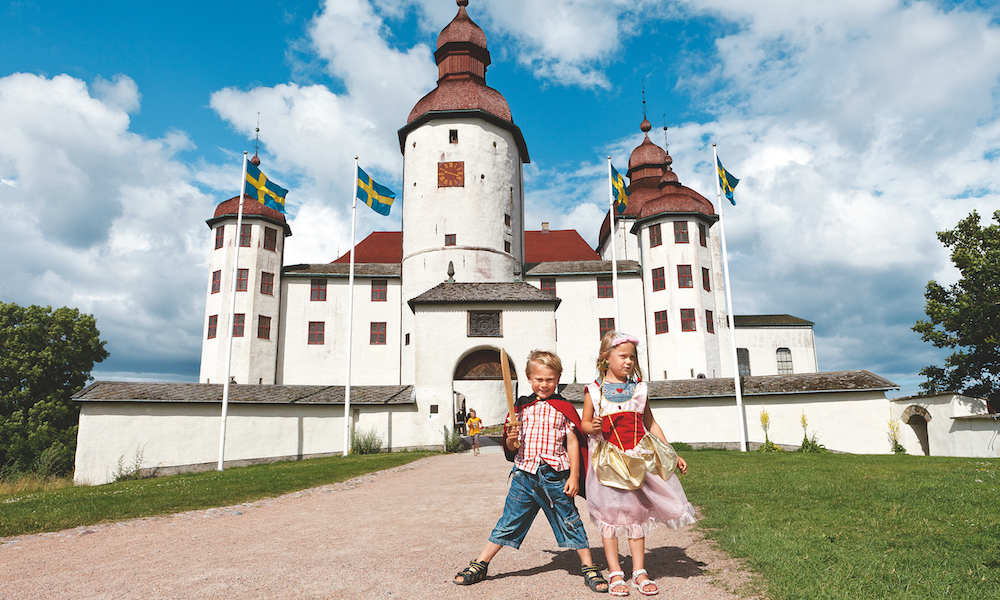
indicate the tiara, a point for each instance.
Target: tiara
{"x":621,"y":338}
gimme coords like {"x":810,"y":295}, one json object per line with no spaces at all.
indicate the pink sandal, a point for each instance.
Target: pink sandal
{"x":617,"y":584}
{"x":644,"y":587}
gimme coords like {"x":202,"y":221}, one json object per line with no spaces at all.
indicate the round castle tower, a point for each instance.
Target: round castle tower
{"x":258,"y":292}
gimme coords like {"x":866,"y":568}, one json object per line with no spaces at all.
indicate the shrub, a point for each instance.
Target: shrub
{"x":366,"y":442}
{"x":453,"y":441}
{"x":681,"y":447}
{"x":897,"y":448}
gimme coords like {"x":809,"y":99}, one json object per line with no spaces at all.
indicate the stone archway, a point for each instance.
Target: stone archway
{"x":917,"y":417}
{"x":478,"y":378}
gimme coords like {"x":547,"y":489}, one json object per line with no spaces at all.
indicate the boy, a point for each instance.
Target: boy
{"x":548,"y":465}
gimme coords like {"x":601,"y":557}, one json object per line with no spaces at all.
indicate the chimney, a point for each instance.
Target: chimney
{"x":545,"y":227}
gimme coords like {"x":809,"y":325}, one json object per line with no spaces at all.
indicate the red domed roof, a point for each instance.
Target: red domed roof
{"x":462,"y":94}
{"x":231,"y":207}
{"x":677,"y":198}
{"x":462,"y":29}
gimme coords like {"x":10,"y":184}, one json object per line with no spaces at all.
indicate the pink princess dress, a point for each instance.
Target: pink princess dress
{"x":631,"y":513}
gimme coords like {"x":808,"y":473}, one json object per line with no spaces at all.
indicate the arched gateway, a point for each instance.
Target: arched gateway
{"x":478,"y":380}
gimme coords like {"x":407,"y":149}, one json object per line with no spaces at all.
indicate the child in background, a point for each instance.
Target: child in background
{"x":615,"y":408}
{"x":548,"y":463}
{"x":475,"y":425}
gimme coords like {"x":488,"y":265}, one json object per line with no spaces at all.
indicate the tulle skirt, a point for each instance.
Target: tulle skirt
{"x":633,"y":513}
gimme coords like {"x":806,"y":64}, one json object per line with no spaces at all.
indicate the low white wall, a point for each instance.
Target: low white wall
{"x":948,"y":434}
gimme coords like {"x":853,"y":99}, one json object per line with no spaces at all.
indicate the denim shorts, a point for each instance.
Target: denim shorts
{"x":531,"y":492}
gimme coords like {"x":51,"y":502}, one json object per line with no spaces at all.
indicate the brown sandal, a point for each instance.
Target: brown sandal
{"x":474,"y":573}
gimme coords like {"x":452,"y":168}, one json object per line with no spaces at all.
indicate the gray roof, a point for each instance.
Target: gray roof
{"x":580,"y":267}
{"x":770,"y":321}
{"x":835,"y":381}
{"x":122,"y":391}
{"x":388,"y":270}
{"x":516,"y":291}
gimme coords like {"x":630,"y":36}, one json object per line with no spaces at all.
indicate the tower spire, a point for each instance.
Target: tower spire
{"x":256,"y":143}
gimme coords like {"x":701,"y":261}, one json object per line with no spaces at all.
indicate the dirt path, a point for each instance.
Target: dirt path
{"x":401,"y":533}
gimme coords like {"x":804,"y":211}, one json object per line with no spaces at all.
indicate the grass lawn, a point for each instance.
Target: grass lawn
{"x":22,"y":513}
{"x":854,"y":526}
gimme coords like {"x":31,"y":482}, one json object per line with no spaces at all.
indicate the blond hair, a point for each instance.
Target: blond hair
{"x":545,"y":358}
{"x":605,"y":352}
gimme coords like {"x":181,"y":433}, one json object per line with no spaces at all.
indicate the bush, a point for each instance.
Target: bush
{"x":810,"y":445}
{"x":769,"y":446}
{"x":366,"y":442}
{"x":453,"y":441}
{"x":681,"y":447}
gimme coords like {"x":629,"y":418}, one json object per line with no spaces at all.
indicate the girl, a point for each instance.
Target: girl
{"x":615,"y":408}
{"x":475,"y":425}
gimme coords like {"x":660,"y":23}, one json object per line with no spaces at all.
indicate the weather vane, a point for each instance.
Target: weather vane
{"x":666,"y":142}
{"x":256,"y":139}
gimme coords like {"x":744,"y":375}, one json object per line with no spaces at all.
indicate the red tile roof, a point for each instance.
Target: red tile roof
{"x":250,"y":207}
{"x":378,"y":247}
{"x":556,"y":246}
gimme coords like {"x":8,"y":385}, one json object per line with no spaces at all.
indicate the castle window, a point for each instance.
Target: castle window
{"x":743,"y":360}
{"x":684,"y":279}
{"x":452,"y":136}
{"x":784,"y":356}
{"x":606,"y":325}
{"x":316,"y":332}
{"x":264,"y":327}
{"x":449,"y":239}
{"x":605,"y":288}
{"x":659,"y":279}
{"x":220,"y":236}
{"x":407,"y":339}
{"x":267,"y":283}
{"x":380,"y":290}
{"x":703,"y":234}
{"x":709,"y":322}
{"x":378,"y":334}
{"x":213,"y":326}
{"x":687,"y":320}
{"x":680,"y":232}
{"x":270,"y":238}
{"x":506,"y":220}
{"x":245,"y":236}
{"x":549,"y":285}
{"x":706,"y":279}
{"x":506,"y":246}
{"x":216,"y":281}
{"x":317,"y":291}
{"x":242,"y":276}
{"x":660,"y":321}
{"x":655,"y":239}
{"x":238,"y":324}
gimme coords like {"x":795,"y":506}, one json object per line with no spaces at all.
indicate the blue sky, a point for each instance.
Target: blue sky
{"x":858,"y":128}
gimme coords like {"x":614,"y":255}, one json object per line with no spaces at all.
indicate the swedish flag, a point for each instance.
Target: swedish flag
{"x":373,"y":194}
{"x":726,"y":181}
{"x":619,"y":191}
{"x":264,"y":190}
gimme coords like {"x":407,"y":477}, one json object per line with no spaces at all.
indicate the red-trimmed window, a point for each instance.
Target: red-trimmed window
{"x":709,"y":322}
{"x":316,"y":331}
{"x":267,"y":283}
{"x":655,"y":239}
{"x":506,"y":246}
{"x":220,"y":236}
{"x":238,"y":324}
{"x":680,"y":232}
{"x":317,"y":292}
{"x":605,"y":289}
{"x":449,"y":239}
{"x":549,"y":285}
{"x":378,"y":334}
{"x":687,"y":320}
{"x":242,"y":277}
{"x":213,"y":326}
{"x":606,"y":325}
{"x":706,"y":279}
{"x":270,"y":238}
{"x":660,"y":321}
{"x":245,"y":236}
{"x":264,"y":327}
{"x":703,"y":234}
{"x":380,"y":290}
{"x":659,"y":279}
{"x":684,"y":278}
{"x":216,"y":281}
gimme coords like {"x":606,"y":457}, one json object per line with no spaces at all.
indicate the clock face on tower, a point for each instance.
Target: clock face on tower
{"x":451,"y":174}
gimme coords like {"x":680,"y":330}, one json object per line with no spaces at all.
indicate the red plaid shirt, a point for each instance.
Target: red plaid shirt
{"x":543,"y":431}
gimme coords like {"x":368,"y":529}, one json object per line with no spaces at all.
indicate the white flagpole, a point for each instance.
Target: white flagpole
{"x":614,"y":242}
{"x":741,"y":417}
{"x":350,"y":315}
{"x":232,"y":318}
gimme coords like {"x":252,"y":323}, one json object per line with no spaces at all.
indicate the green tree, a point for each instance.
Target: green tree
{"x":45,"y":357}
{"x":966,"y":315}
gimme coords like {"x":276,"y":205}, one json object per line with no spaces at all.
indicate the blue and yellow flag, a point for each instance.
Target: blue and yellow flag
{"x":373,"y":194}
{"x":264,"y":190}
{"x":619,"y":191}
{"x":726,"y":181}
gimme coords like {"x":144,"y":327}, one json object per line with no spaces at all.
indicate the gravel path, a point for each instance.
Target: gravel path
{"x":400,"y":533}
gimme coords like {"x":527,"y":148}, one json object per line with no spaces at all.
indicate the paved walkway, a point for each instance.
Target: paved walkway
{"x":401,"y":533}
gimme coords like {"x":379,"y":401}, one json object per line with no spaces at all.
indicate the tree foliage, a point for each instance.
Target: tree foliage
{"x":45,"y":357}
{"x":966,"y":315}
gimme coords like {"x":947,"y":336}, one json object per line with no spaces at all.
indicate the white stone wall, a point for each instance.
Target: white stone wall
{"x":301,"y":363}
{"x":762,"y":343}
{"x":946,"y":435}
